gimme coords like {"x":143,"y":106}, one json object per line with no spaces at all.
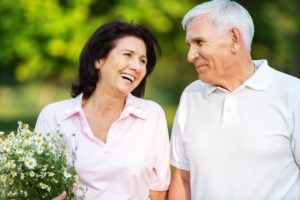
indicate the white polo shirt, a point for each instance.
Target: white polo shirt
{"x":241,"y":145}
{"x":134,"y":159}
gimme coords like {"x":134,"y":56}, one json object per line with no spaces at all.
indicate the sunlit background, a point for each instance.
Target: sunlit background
{"x":40,"y":43}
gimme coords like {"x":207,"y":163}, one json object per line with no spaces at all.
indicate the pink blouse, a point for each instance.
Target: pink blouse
{"x":135,"y":157}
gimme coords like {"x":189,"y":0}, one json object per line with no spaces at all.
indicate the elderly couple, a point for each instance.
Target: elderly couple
{"x":236,"y":134}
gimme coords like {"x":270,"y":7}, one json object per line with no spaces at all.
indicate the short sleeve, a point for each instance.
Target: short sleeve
{"x":161,"y":168}
{"x":178,"y":156}
{"x":46,"y":122}
{"x":296,"y":134}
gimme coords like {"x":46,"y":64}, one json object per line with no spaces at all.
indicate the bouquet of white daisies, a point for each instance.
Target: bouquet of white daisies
{"x":34,"y":166}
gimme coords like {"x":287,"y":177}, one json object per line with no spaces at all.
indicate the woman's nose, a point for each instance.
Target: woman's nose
{"x":136,"y":65}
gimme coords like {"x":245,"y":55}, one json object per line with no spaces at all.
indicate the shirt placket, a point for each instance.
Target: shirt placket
{"x":114,"y":132}
{"x":230,"y":116}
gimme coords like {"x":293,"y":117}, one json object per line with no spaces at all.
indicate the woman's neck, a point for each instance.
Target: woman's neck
{"x":102,"y":104}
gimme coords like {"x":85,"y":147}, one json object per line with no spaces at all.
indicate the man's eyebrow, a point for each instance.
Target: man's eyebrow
{"x":194,"y":40}
{"x":198,"y":39}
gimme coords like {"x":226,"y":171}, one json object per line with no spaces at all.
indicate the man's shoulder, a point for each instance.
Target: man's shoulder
{"x":196,"y":86}
{"x":286,"y":81}
{"x":286,"y":86}
{"x":287,"y":77}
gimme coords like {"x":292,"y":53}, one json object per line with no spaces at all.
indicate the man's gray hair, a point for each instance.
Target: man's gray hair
{"x":227,"y":13}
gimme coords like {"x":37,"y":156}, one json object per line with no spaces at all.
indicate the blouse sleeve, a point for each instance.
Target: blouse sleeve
{"x":46,"y":122}
{"x":162,"y":155}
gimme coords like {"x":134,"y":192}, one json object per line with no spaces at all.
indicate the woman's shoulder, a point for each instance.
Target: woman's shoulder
{"x":147,"y":104}
{"x":53,"y":114}
{"x":59,"y":106}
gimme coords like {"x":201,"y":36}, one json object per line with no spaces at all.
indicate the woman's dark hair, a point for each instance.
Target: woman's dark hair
{"x":100,"y":44}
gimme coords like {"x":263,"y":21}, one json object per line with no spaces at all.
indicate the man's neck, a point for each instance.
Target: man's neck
{"x":238,"y":74}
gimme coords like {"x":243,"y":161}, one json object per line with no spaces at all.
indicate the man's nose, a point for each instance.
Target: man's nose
{"x":192,"y":54}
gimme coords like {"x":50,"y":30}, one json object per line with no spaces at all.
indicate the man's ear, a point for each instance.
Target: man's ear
{"x":236,"y":39}
{"x":99,"y":63}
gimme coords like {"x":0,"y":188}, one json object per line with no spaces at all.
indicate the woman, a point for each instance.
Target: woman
{"x":122,"y":139}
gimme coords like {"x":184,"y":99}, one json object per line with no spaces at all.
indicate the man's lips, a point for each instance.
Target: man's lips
{"x":200,"y":66}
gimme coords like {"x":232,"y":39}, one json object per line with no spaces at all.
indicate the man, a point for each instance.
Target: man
{"x":236,"y":131}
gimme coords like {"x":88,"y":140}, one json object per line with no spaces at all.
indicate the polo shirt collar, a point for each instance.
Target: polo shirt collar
{"x":132,"y":106}
{"x":75,"y":108}
{"x":210,"y":89}
{"x":263,"y":76}
{"x":260,"y":80}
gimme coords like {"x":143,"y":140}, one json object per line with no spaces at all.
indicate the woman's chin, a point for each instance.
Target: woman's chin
{"x":125,"y":92}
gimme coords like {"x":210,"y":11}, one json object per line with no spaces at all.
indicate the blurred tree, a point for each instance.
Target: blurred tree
{"x":42,"y":39}
{"x":277,"y":33}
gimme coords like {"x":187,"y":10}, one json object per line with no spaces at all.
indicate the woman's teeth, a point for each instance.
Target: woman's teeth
{"x":128,"y":77}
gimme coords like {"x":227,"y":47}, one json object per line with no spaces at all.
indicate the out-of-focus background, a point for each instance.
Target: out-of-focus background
{"x":40,"y":43}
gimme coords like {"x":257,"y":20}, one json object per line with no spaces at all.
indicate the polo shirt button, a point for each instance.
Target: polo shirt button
{"x":106,"y":149}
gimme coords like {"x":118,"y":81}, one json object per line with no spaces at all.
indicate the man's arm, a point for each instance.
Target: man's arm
{"x":157,"y":195}
{"x":180,"y":185}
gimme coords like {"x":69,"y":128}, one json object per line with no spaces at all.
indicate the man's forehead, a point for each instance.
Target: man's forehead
{"x":198,"y":20}
{"x":197,"y":26}
{"x":202,"y":26}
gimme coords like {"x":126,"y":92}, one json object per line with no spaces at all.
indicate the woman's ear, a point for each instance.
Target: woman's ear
{"x":236,"y":40}
{"x":99,"y":63}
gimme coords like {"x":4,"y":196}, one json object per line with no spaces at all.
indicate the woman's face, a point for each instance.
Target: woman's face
{"x":124,"y":68}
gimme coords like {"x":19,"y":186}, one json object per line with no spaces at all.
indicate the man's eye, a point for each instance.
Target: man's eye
{"x":199,"y":42}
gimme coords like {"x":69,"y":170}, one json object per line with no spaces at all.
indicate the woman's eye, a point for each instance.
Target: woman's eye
{"x":143,"y":61}
{"x":127,"y":54}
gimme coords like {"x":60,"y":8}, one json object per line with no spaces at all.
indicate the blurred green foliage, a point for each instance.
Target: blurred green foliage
{"x":41,"y":40}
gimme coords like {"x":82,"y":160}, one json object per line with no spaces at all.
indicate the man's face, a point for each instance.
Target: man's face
{"x":209,"y":49}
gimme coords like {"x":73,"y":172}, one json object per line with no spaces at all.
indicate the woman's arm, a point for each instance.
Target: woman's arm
{"x":62,"y":196}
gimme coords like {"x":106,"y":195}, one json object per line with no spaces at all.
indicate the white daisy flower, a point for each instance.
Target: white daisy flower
{"x":43,"y":185}
{"x":14,"y":173}
{"x":6,"y":147}
{"x":30,"y":163}
{"x":10,"y":181}
{"x":50,"y":174}
{"x":31,"y":174}
{"x":22,"y":176}
{"x":10,"y":164}
{"x":19,"y":151}
{"x":67,"y":175}
{"x":40,"y":149}
{"x":39,"y":141}
{"x":3,"y":178}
